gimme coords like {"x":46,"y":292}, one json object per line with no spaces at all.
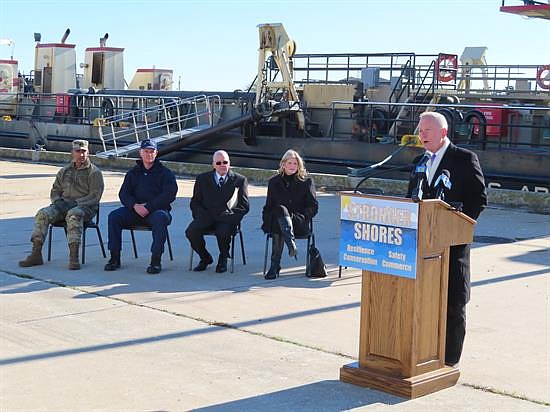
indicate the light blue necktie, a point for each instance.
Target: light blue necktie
{"x":431,"y":169}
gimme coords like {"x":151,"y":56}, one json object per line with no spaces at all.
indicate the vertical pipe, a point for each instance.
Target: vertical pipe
{"x":146,"y":125}
{"x":135,"y":126}
{"x":332,"y":121}
{"x":166,"y":119}
{"x":179,"y":117}
{"x":100,"y":130}
{"x":113,"y":133}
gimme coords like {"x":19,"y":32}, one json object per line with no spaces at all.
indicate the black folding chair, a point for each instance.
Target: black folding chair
{"x":92,"y":224}
{"x":309,"y":236}
{"x":146,"y":228}
{"x":232,"y":257}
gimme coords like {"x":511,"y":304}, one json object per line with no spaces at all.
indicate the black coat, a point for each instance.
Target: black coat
{"x":156,"y":187}
{"x":212,"y":202}
{"x":298,"y":196}
{"x":468,"y":187}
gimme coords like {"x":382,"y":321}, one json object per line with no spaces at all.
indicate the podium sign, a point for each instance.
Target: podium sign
{"x":379,"y":235}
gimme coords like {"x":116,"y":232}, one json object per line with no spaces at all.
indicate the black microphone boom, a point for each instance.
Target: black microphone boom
{"x":376,"y":173}
{"x":363,"y":172}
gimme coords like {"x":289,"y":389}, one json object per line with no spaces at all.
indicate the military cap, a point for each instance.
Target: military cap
{"x":80,"y":145}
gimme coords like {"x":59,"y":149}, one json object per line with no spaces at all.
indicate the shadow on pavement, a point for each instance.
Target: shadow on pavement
{"x":329,"y":395}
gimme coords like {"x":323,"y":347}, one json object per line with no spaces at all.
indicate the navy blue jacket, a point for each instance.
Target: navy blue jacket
{"x":156,"y":187}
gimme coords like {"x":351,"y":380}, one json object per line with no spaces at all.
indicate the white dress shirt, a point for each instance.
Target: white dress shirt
{"x":433,"y":165}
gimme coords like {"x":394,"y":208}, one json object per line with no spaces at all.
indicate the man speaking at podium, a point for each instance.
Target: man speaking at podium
{"x":467,"y":188}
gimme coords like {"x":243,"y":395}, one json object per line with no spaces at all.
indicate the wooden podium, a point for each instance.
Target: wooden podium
{"x":402,"y":330}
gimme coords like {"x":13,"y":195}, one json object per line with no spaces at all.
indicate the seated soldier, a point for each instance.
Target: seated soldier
{"x":75,"y":197}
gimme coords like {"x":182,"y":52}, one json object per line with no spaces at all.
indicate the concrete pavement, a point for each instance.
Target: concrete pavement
{"x":125,"y":340}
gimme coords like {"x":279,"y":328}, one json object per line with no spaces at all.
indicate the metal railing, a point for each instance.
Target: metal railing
{"x":172,"y":117}
{"x":511,"y":126}
{"x":481,"y":79}
{"x":345,"y":68}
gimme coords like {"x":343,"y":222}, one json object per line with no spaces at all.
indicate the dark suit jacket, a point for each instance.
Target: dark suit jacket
{"x":468,"y":187}
{"x":211,"y":202}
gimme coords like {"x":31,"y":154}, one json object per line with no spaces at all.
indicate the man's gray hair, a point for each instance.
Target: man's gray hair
{"x":438,"y":117}
{"x":219,"y":152}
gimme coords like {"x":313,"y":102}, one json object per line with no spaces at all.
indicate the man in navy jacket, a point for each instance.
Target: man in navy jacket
{"x":146,"y":194}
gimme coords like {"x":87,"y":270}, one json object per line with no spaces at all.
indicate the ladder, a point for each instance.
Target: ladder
{"x":121,"y":134}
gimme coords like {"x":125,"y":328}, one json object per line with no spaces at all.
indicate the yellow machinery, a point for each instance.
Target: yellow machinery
{"x":275,"y":40}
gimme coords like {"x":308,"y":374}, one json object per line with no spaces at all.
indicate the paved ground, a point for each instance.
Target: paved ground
{"x":125,"y":340}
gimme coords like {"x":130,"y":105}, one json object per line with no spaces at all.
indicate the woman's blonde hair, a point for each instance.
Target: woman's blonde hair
{"x":292,"y":154}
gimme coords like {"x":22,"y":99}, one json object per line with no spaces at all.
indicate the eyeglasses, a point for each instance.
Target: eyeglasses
{"x":220,"y":163}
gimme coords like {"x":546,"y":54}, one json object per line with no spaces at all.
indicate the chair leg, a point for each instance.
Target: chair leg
{"x":233,"y":253}
{"x":101,"y":243}
{"x":169,"y":246}
{"x":134,"y":243}
{"x":242,"y":246}
{"x":190,"y":258}
{"x":83,"y":245}
{"x":307,"y":254}
{"x":50,"y":243}
{"x":266,"y":250}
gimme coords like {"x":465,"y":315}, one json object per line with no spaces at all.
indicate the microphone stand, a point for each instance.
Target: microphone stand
{"x":360,"y":172}
{"x":382,"y":172}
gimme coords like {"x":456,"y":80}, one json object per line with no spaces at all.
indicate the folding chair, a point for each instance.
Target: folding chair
{"x":92,"y":224}
{"x":232,"y":257}
{"x":145,"y":228}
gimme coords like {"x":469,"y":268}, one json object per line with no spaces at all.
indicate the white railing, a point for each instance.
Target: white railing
{"x":175,"y":116}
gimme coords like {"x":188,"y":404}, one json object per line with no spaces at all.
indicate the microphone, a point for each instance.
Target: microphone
{"x":442,"y":184}
{"x":420,"y":176}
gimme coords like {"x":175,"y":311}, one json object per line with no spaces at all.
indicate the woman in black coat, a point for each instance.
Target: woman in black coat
{"x":290,"y":205}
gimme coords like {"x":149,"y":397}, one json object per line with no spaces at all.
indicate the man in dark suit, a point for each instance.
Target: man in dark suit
{"x":219,"y":202}
{"x":467,"y":189}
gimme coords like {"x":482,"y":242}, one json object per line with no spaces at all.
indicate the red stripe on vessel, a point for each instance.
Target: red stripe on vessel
{"x":154,"y":70}
{"x":62,"y":45}
{"x":99,"y":49}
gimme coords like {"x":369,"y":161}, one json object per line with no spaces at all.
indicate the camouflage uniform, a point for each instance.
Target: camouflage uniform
{"x":83,"y":186}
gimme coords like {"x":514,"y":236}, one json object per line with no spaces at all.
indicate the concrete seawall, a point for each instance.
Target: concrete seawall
{"x":536,"y":202}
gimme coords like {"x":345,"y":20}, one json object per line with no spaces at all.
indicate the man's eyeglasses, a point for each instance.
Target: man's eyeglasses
{"x":222,"y":163}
